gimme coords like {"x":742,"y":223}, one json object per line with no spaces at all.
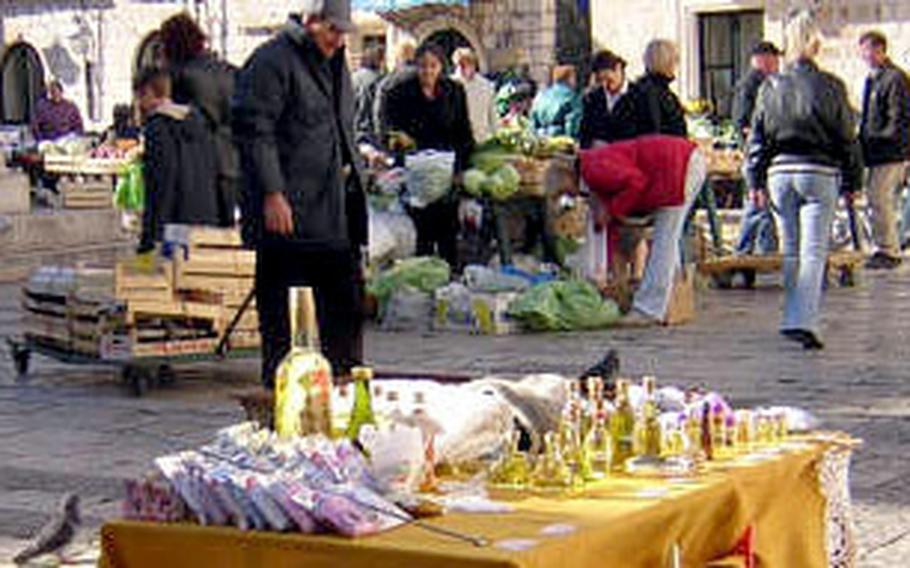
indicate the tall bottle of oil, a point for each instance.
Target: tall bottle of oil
{"x":303,"y":381}
{"x":622,"y":425}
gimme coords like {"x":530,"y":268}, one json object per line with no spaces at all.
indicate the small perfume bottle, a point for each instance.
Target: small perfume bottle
{"x":512,"y":470}
{"x":551,"y":472}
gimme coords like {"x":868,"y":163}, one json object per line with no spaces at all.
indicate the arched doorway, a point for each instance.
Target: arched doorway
{"x":449,"y":40}
{"x":22,"y":80}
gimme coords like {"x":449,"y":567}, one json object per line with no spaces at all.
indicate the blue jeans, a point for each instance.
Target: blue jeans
{"x":653,"y":296}
{"x":757,"y":232}
{"x":805,"y":204}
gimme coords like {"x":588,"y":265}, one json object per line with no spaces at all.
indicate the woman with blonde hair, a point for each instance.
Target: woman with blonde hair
{"x":480,"y":92}
{"x":657,"y":108}
{"x":803,"y":152}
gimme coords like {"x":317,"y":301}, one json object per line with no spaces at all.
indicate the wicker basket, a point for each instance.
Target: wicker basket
{"x":533,"y":176}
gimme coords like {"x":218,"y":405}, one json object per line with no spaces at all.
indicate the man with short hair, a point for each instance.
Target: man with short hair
{"x":305,"y":210}
{"x":480,"y":93}
{"x":757,"y":233}
{"x":55,"y":116}
{"x":180,"y":163}
{"x":885,"y":138}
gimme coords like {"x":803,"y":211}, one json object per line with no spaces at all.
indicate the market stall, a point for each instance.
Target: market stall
{"x":501,"y":473}
{"x":625,"y":523}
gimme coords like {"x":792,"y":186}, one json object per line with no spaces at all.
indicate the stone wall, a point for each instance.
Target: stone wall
{"x":627,"y":30}
{"x":48,"y":27}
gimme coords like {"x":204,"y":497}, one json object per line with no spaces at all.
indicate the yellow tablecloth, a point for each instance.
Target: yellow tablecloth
{"x":616,"y":525}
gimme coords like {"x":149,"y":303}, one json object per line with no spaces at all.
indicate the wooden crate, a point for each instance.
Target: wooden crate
{"x":135,"y":283}
{"x":189,"y":236}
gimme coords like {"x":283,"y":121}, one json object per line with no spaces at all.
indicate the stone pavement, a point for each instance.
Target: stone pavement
{"x":74,"y":429}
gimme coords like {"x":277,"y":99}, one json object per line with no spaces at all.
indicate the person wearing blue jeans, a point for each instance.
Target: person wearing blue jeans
{"x":803,"y":150}
{"x":757,"y":232}
{"x":804,"y":199}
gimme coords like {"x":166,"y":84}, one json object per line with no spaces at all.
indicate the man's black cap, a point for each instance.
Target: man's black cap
{"x":766,"y":48}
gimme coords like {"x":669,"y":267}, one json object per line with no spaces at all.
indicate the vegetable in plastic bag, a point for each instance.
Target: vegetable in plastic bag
{"x":564,"y":306}
{"x":425,"y":274}
{"x":430,"y":176}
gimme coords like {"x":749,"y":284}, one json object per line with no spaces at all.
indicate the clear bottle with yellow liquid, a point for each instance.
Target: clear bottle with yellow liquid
{"x":303,"y":381}
{"x":622,"y":426}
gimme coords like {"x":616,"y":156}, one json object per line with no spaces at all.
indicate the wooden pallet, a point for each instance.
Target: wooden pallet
{"x":773,"y":263}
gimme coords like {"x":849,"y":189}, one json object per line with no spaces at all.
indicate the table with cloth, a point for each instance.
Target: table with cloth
{"x":793,"y":505}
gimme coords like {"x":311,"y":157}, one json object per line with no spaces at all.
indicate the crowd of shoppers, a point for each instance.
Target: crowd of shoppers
{"x":284,"y":136}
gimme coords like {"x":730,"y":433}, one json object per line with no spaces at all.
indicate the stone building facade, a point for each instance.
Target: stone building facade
{"x":627,"y":27}
{"x":94,"y":46}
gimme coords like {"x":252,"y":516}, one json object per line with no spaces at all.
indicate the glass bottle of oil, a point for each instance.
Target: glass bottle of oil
{"x":622,"y":425}
{"x":648,"y":432}
{"x":303,"y":381}
{"x":599,"y":445}
{"x":362,"y":412}
{"x":551,"y":472}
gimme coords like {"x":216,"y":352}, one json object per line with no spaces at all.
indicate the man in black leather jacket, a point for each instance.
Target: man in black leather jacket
{"x":804,"y":152}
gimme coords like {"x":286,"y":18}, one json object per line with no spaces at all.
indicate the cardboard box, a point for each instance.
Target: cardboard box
{"x":682,"y":300}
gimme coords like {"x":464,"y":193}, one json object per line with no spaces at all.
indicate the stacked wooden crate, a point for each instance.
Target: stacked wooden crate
{"x":85,"y":183}
{"x":211,"y":265}
{"x":86,"y":191}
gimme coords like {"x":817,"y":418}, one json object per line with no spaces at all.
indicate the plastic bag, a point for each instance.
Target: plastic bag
{"x":453,"y":308}
{"x":392,"y":237}
{"x":425,"y":274}
{"x":130,"y":193}
{"x":408,"y":310}
{"x":430,"y":176}
{"x":482,"y":279}
{"x":564,"y":306}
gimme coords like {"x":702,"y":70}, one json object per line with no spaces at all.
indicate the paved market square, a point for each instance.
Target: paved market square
{"x":76,"y":429}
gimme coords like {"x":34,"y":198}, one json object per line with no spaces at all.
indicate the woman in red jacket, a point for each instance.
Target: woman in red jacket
{"x":651,"y":175}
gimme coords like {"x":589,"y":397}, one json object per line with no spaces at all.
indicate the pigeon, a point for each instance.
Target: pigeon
{"x":607,"y":368}
{"x":56,"y":534}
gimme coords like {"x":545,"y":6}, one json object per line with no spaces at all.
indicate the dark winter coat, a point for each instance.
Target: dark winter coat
{"x":657,"y":108}
{"x":744,"y":94}
{"x":294,"y":123}
{"x":885,"y":126}
{"x":442,"y":123}
{"x":208,"y":84}
{"x":601,"y":124}
{"x":179,"y":172}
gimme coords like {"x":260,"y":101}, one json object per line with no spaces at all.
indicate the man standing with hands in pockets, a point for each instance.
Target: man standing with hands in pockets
{"x":304,"y":206}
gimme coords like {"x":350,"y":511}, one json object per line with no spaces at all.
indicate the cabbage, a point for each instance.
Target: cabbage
{"x":474,"y":181}
{"x":504,"y":183}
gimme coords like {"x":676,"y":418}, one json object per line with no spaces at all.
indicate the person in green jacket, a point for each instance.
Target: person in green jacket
{"x":557,"y":110}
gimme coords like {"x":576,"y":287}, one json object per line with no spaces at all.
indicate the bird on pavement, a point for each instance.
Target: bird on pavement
{"x":56,"y":534}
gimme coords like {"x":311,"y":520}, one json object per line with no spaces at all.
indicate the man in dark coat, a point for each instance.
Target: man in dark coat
{"x":885,"y":138}
{"x":757,"y":231}
{"x":180,"y":163}
{"x":608,"y":113}
{"x":305,"y":210}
